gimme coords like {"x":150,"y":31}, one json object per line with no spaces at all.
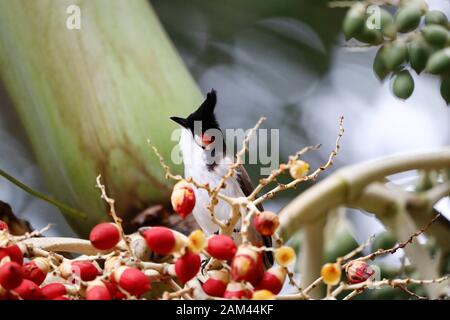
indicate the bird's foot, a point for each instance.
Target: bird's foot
{"x":204,"y":264}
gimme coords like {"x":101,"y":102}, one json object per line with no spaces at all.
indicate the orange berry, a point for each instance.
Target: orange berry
{"x":285,"y":256}
{"x":263,"y":295}
{"x":331,"y":273}
{"x":266,"y":223}
{"x":196,"y":241}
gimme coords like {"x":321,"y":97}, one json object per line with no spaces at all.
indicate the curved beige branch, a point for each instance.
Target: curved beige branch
{"x":60,"y":244}
{"x":346,"y":185}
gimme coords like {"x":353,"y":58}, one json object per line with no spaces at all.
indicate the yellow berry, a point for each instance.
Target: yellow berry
{"x":285,"y":256}
{"x":263,"y":295}
{"x":331,"y":273}
{"x":196,"y":241}
{"x":299,"y":169}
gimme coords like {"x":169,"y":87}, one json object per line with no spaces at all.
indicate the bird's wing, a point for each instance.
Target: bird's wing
{"x":247,"y":188}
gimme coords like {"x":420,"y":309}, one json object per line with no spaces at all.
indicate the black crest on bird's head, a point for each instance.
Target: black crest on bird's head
{"x":204,"y":113}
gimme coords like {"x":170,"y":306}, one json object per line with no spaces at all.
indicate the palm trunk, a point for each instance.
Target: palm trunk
{"x":90,"y":98}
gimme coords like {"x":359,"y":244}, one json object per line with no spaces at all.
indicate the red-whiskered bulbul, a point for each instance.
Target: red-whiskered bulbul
{"x":206,"y":160}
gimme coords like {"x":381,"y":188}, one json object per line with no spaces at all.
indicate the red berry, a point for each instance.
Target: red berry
{"x":358,"y":271}
{"x":3,"y":225}
{"x":237,"y":290}
{"x":221,"y":247}
{"x":160,"y":240}
{"x":266,"y":223}
{"x":11,"y":275}
{"x":272,"y":280}
{"x":13,"y":252}
{"x":183,"y":199}
{"x":28,"y":290}
{"x":53,"y":290}
{"x":85,"y":270}
{"x":60,"y":298}
{"x":217,"y":283}
{"x":247,"y":266}
{"x":97,"y":290}
{"x":113,"y":290}
{"x":36,"y":270}
{"x":215,"y":288}
{"x":132,"y":280}
{"x":187,"y":266}
{"x":105,"y":236}
{"x":120,"y":295}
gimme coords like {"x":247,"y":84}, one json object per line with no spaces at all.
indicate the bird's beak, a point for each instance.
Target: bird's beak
{"x":181,"y":121}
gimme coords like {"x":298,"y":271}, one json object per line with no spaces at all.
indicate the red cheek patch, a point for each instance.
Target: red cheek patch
{"x":207,"y":139}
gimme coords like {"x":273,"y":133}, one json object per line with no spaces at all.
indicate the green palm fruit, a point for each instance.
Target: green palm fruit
{"x":388,"y":27}
{"x":408,"y":18}
{"x":395,"y":54}
{"x":418,"y":52}
{"x":436,"y":35}
{"x":403,"y":85}
{"x":436,"y":17}
{"x":379,"y":66}
{"x":354,"y":21}
{"x":439,"y":62}
{"x":445,"y":90}
{"x":370,"y":36}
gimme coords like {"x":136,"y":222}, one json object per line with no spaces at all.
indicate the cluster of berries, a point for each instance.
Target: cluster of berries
{"x":117,"y":273}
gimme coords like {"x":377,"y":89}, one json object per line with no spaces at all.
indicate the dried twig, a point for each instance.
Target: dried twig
{"x":112,"y":212}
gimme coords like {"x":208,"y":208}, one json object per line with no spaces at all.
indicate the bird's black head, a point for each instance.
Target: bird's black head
{"x":204,"y":114}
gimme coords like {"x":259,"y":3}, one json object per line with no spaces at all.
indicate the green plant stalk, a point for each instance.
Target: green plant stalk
{"x":89,"y":99}
{"x":65,"y":209}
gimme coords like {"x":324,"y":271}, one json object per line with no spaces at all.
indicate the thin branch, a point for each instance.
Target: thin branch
{"x":234,"y":165}
{"x":400,"y":245}
{"x":204,"y":186}
{"x":65,"y":209}
{"x":275,"y":173}
{"x":112,"y":211}
{"x":313,"y":176}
